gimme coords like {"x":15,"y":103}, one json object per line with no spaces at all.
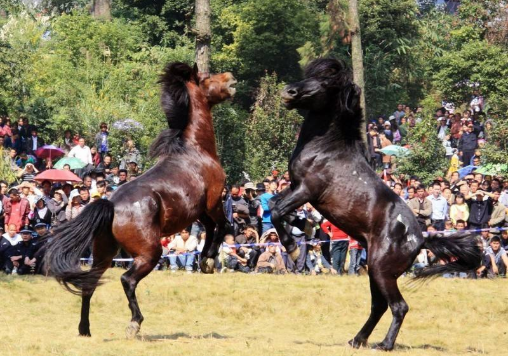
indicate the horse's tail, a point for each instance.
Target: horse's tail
{"x":460,"y":253}
{"x":71,"y":240}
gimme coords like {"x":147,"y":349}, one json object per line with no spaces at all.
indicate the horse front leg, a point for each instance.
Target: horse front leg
{"x":288,"y":201}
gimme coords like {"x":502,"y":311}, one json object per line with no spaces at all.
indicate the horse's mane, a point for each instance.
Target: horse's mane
{"x":338,"y":79}
{"x":175,"y":104}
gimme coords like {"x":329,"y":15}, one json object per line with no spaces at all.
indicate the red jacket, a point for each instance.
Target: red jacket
{"x":337,"y":234}
{"x":21,"y":217}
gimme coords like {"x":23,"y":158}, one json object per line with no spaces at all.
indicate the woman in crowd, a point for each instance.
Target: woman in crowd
{"x":41,"y":213}
{"x":459,"y":210}
{"x":74,"y":207}
{"x":57,"y":206}
{"x":28,"y":173}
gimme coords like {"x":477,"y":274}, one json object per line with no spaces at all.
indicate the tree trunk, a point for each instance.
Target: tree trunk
{"x":203,"y":35}
{"x":101,"y":9}
{"x":357,"y":58}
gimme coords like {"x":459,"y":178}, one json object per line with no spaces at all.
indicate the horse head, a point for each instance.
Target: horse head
{"x":328,"y":84}
{"x":216,"y":87}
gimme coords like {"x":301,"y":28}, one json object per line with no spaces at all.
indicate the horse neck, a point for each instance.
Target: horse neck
{"x":333,"y":134}
{"x":199,"y":131}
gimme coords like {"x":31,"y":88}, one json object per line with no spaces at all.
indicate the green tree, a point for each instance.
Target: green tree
{"x":426,"y":158}
{"x":272,"y":131}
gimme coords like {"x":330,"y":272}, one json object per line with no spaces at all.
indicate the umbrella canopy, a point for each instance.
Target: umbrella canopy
{"x":73,"y":162}
{"x":49,"y":151}
{"x":394,"y":150}
{"x":464,"y":171}
{"x":56,"y":175}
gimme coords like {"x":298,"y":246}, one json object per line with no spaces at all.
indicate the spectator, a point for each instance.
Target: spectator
{"x":499,"y":258}
{"x":5,"y":129}
{"x":355,"y":254}
{"x":439,"y":207}
{"x":233,"y":261}
{"x":459,"y":210}
{"x":270,"y":261}
{"x":34,"y":142}
{"x":480,"y":207}
{"x":183,"y":247}
{"x":498,"y":210}
{"x":101,"y":140}
{"x":83,"y":153}
{"x":27,"y":249}
{"x":84,"y":194}
{"x":41,"y":213}
{"x":5,"y":203}
{"x":316,"y":262}
{"x":122,"y":177}
{"x":266,"y":219}
{"x":250,"y":236}
{"x":467,"y":145}
{"x":460,"y":225}
{"x":67,"y":143}
{"x":130,"y":154}
{"x":339,"y":246}
{"x":8,"y":249}
{"x":57,"y":206}
{"x":18,"y":210}
{"x":399,"y":113}
{"x":28,"y":173}
{"x":74,"y":207}
{"x":106,"y":164}
{"x":96,"y":156}
{"x":421,"y":207}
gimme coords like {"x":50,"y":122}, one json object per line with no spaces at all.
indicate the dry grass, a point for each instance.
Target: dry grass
{"x":235,"y":314}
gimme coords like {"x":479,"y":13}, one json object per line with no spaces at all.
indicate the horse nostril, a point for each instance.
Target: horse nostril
{"x":292,"y":92}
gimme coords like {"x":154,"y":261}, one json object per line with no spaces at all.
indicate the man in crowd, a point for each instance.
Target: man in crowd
{"x":421,"y":207}
{"x":467,"y":145}
{"x":240,"y":210}
{"x":101,"y":140}
{"x":83,"y":153}
{"x":33,"y":142}
{"x":18,"y":210}
{"x":480,"y":207}
{"x":5,"y":203}
{"x":266,"y":217}
{"x":339,"y":247}
{"x":183,"y":247}
{"x":250,"y":236}
{"x":499,"y":258}
{"x":439,"y":207}
{"x":122,"y":177}
{"x":270,"y":261}
{"x":253,"y":202}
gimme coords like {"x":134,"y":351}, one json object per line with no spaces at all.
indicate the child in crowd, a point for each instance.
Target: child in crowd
{"x":232,"y":258}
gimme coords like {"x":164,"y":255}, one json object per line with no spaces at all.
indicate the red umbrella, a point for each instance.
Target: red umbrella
{"x":49,"y":151}
{"x":57,"y":175}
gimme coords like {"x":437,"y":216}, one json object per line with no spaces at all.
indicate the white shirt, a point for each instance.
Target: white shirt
{"x":34,"y":145}
{"x":84,"y":154}
{"x":189,"y":245}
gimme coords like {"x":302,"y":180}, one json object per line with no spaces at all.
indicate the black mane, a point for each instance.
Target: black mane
{"x":175,"y":104}
{"x":345,"y":96}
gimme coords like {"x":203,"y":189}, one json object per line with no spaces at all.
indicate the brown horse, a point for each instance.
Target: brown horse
{"x":329,"y":169}
{"x":185,"y":185}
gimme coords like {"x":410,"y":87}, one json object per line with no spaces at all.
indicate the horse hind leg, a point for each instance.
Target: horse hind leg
{"x":142,"y":266}
{"x":104,"y":249}
{"x":379,"y":306}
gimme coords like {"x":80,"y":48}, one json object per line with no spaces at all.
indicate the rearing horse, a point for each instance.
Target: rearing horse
{"x":328,"y":169}
{"x":185,"y":185}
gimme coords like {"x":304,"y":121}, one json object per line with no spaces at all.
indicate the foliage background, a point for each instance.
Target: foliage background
{"x":65,"y":69}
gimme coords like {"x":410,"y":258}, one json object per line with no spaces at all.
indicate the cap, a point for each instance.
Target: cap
{"x":260,"y":186}
{"x":96,"y":195}
{"x":13,"y":190}
{"x":26,"y":231}
{"x":38,"y":225}
{"x":74,"y":193}
{"x":249,"y":185}
{"x":391,"y":118}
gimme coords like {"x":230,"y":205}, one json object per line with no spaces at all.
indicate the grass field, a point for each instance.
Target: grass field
{"x":236,"y":314}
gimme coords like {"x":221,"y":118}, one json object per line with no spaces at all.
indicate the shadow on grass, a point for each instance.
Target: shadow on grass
{"x":175,"y":336}
{"x":372,"y":345}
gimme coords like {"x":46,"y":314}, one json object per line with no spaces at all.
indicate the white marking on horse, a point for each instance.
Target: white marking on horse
{"x":399,"y":219}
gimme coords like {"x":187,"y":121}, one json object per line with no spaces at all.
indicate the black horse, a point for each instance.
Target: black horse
{"x":328,"y":168}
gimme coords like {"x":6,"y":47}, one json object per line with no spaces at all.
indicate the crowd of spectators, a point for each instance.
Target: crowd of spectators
{"x":454,"y":202}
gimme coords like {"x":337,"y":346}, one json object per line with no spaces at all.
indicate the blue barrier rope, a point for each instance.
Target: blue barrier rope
{"x":264,"y":244}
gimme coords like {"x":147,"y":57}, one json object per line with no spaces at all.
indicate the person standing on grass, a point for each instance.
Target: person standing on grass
{"x":18,"y":210}
{"x":339,"y":246}
{"x":266,"y":220}
{"x":439,"y":207}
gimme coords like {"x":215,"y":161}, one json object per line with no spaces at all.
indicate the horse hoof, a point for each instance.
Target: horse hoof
{"x":294,"y":255}
{"x":86,"y":334}
{"x":357,"y":343}
{"x":382,"y":347}
{"x":207,"y":265}
{"x":132,"y":330}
